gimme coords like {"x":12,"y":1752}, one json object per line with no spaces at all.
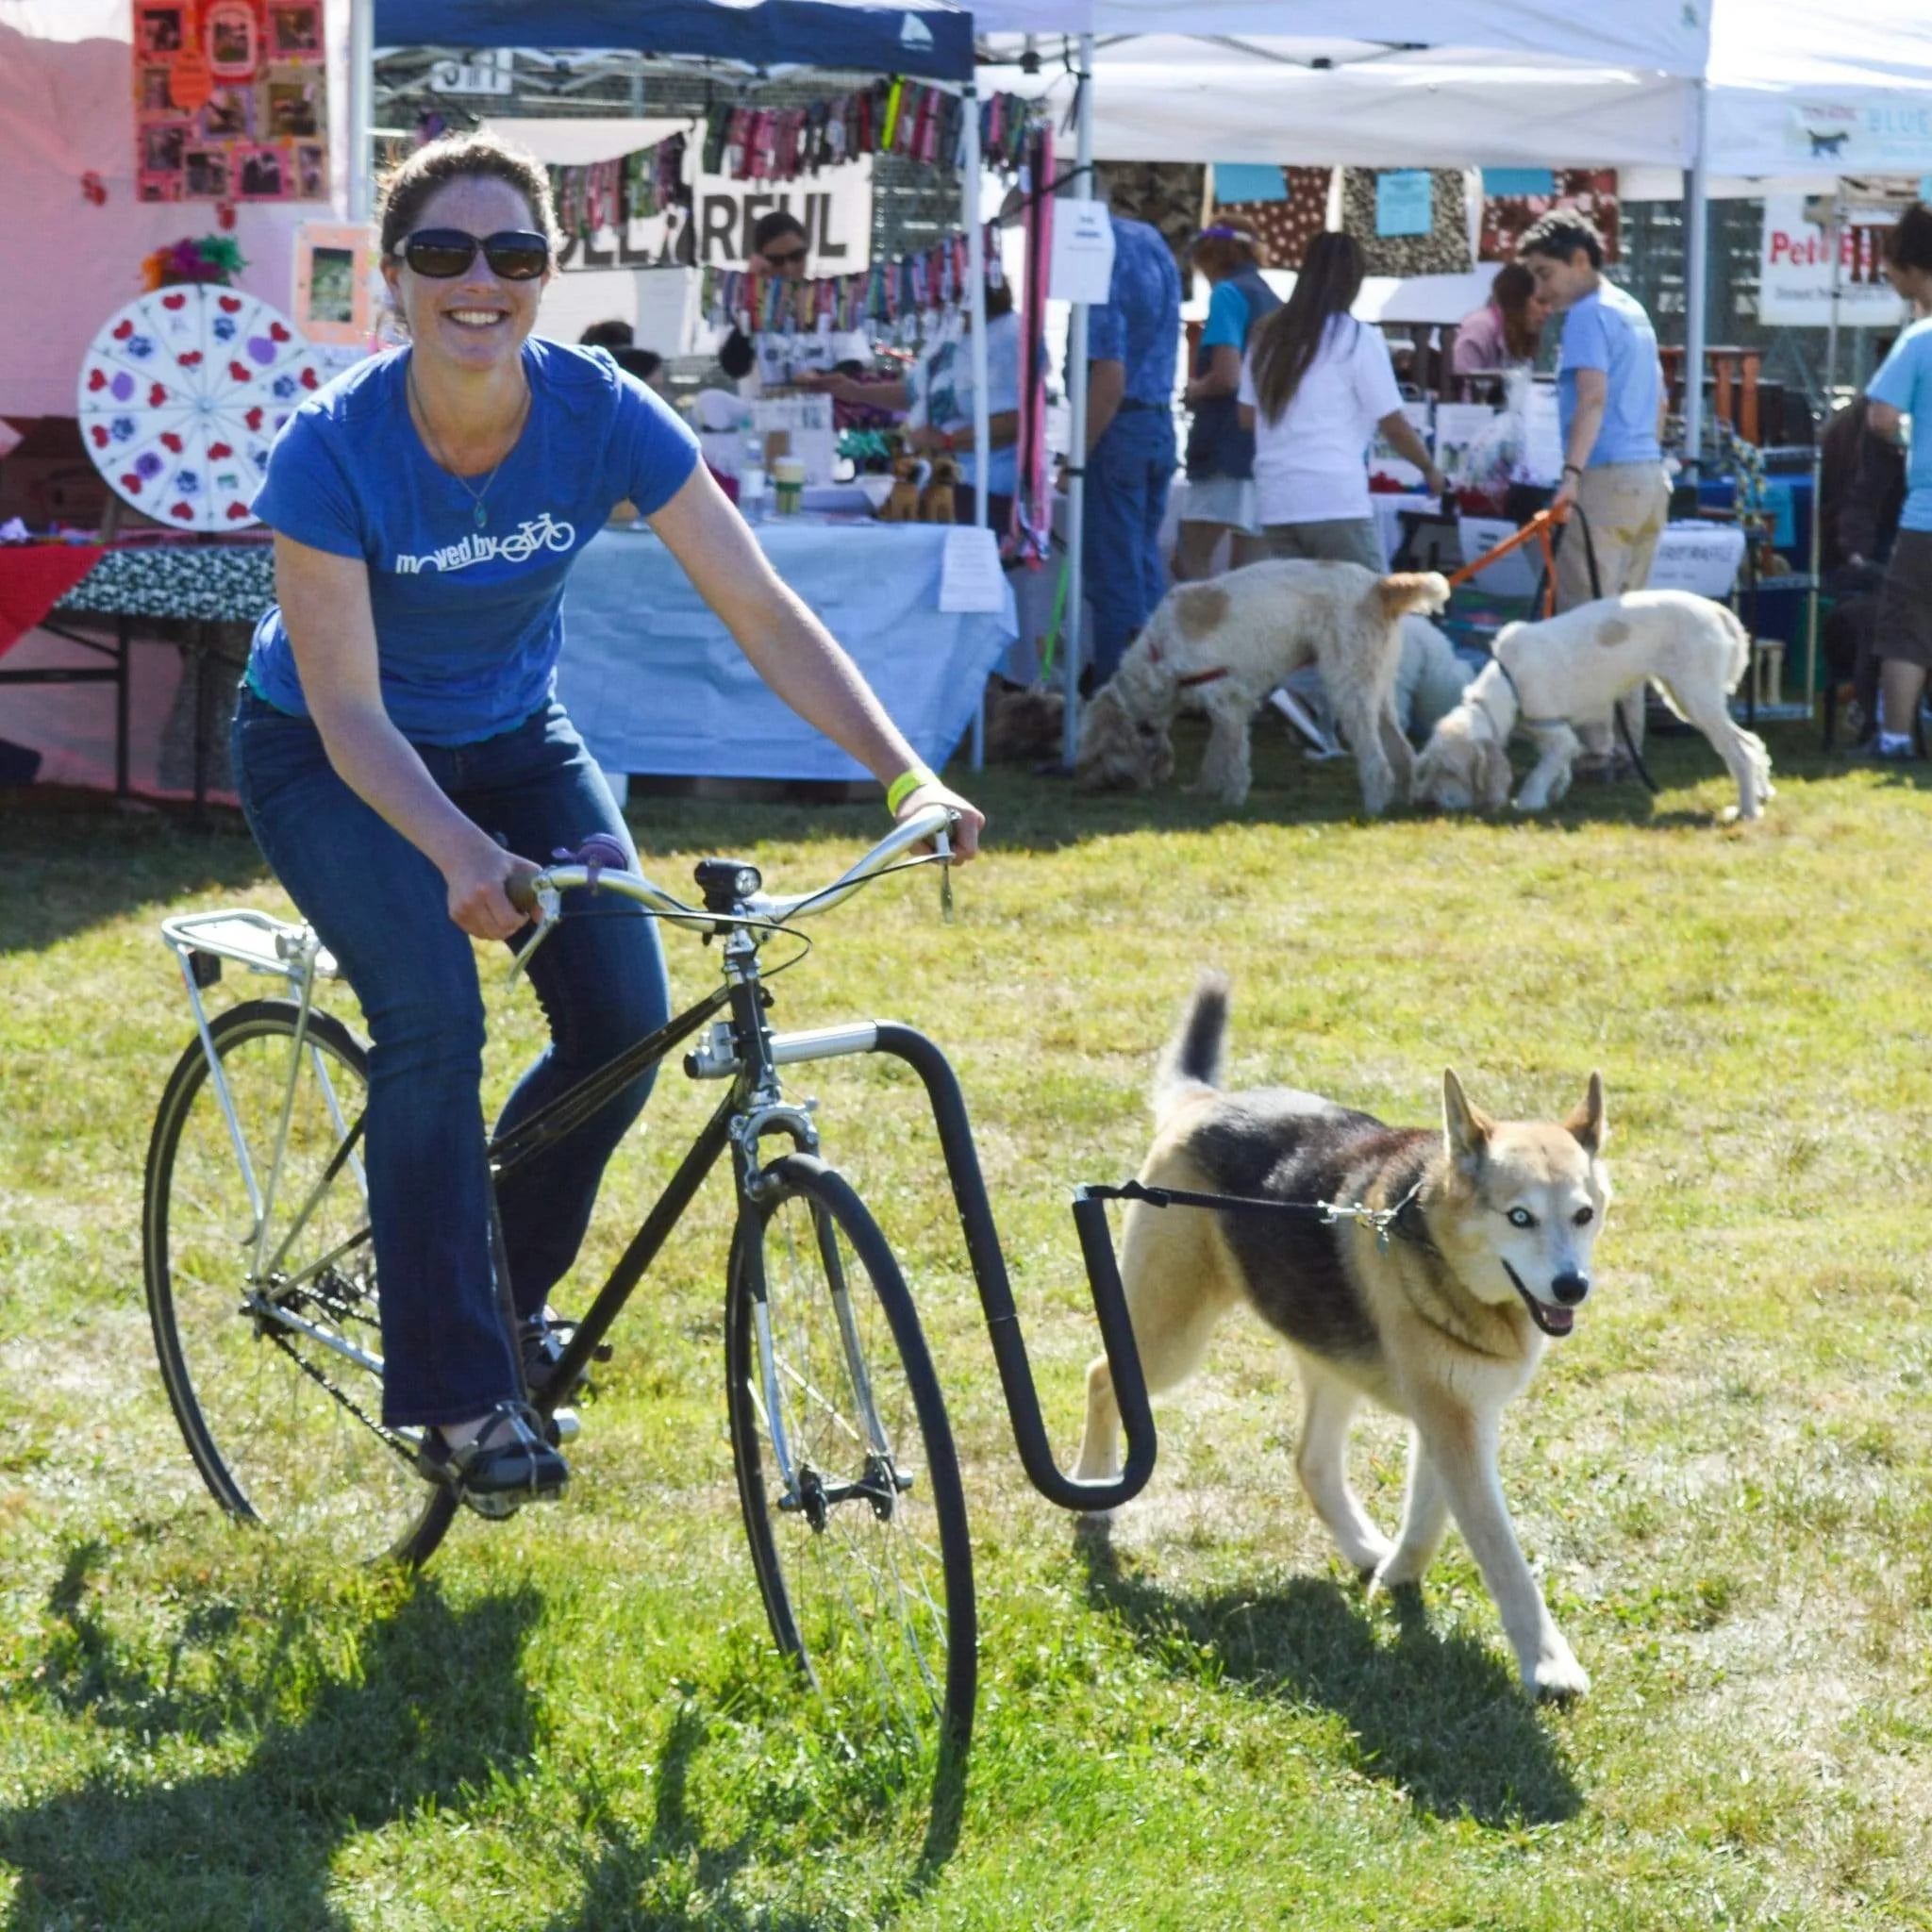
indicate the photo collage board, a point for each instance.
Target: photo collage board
{"x":230,"y":100}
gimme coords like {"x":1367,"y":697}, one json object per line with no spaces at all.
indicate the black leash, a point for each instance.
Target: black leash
{"x":1384,"y":1221}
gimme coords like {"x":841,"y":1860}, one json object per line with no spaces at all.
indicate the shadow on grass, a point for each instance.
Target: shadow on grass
{"x":435,"y":1711}
{"x":1442,"y":1718}
{"x":674,"y":1876}
{"x":73,"y":861}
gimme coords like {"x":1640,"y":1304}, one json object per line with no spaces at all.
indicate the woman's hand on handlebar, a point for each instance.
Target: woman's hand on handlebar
{"x":970,"y":820}
{"x":479,"y":900}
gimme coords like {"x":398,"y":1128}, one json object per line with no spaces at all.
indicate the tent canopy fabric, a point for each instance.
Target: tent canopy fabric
{"x":928,"y":40}
{"x":1664,"y":36}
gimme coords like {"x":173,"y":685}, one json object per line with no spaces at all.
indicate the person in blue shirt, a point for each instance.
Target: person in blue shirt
{"x":1903,"y":388}
{"x":1220,"y":454}
{"x":400,"y":759}
{"x":1610,"y":410}
{"x":1133,"y":344}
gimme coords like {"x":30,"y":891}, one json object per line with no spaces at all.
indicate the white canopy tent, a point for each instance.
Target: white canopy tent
{"x":1788,"y":88}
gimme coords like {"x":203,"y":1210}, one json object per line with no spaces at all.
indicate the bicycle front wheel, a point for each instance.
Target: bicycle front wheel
{"x":261,"y":1288}
{"x":846,"y":1470}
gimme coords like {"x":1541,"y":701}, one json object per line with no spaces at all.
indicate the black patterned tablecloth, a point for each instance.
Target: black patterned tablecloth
{"x":217,"y":583}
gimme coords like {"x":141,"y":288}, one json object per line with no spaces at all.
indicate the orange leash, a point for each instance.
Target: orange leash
{"x":1540,"y":527}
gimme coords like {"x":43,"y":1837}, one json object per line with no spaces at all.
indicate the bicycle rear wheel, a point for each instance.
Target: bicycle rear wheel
{"x":270,"y":1344}
{"x":847,"y":1474}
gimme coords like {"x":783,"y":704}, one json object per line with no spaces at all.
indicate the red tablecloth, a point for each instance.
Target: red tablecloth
{"x":34,"y":577}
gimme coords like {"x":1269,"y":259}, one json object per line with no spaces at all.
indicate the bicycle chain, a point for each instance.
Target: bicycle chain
{"x":347,"y":1401}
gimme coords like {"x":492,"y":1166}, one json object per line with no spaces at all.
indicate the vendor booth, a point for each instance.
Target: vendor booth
{"x":925,"y":609}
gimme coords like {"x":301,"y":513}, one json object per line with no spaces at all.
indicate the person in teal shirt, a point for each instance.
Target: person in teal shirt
{"x":1902,"y":389}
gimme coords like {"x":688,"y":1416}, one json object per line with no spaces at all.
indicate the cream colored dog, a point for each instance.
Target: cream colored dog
{"x":1443,"y":1318}
{"x":1225,"y":644}
{"x":1571,"y":670}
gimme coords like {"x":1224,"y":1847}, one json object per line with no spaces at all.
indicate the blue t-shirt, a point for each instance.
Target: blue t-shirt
{"x":468,"y":622}
{"x":1608,"y":330}
{"x":1904,"y":381}
{"x":1140,"y":324}
{"x":1226,"y":326}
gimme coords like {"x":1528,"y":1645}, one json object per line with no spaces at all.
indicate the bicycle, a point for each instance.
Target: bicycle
{"x":265,"y":1305}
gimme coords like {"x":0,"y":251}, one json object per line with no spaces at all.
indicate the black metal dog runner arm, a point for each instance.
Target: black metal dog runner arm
{"x":996,"y":1296}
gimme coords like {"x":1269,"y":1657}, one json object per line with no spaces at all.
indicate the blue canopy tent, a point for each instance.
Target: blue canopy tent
{"x":915,"y":38}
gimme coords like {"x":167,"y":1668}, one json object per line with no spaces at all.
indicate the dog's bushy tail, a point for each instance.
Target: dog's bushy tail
{"x":1191,"y":1059}
{"x":1406,"y":592}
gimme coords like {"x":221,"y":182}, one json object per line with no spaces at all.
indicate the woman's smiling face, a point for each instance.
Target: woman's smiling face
{"x":476,"y":320}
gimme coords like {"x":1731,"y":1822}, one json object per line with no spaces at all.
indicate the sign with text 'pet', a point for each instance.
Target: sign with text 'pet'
{"x":1794,"y":273}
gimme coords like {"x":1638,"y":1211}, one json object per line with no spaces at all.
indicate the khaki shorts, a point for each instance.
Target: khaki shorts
{"x":1334,"y":539}
{"x":1624,"y":508}
{"x":1905,"y":601}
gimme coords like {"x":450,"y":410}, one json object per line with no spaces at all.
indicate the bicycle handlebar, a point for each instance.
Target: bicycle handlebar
{"x":934,"y":824}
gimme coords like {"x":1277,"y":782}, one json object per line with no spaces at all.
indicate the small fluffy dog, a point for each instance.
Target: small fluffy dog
{"x":1443,"y":1319}
{"x":1571,"y":670}
{"x":1225,"y":643}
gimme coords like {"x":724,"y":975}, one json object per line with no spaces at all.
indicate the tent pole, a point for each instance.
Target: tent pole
{"x":1696,"y":283}
{"x":976,"y":309}
{"x":1073,"y":630}
{"x":361,"y":107}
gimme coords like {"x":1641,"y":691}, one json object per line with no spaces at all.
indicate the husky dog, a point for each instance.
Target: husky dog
{"x":1226,"y":643}
{"x":1571,"y":670}
{"x":1443,"y":1319}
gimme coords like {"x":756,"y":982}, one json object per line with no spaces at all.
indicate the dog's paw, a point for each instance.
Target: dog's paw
{"x":1396,"y":1572}
{"x":1558,"y":1678}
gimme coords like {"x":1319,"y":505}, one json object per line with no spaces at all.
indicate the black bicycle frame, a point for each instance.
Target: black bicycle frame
{"x":975,"y":1220}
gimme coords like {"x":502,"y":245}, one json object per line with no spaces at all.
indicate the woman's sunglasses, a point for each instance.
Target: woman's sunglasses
{"x":518,"y":255}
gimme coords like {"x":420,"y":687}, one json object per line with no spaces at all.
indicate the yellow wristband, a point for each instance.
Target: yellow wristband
{"x":905,"y":785}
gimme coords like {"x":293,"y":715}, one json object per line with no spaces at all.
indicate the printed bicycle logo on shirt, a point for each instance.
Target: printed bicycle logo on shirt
{"x":538,"y":533}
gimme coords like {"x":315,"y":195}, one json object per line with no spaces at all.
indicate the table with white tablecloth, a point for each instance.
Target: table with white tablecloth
{"x":657,"y":686}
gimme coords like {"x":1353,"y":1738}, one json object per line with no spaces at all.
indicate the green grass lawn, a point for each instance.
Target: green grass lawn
{"x":573,"y":1720}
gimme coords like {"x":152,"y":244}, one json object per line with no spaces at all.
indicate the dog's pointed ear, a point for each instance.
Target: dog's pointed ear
{"x":1465,"y":1128}
{"x":1586,"y":1124}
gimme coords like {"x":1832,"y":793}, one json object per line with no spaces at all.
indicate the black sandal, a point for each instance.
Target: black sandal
{"x":509,"y":1462}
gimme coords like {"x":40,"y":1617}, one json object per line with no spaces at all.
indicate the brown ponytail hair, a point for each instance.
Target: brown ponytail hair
{"x":1287,"y":344}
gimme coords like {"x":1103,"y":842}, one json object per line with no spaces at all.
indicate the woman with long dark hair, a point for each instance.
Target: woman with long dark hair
{"x":1317,"y":386}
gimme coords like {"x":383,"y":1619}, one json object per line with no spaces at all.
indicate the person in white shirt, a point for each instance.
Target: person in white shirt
{"x":1315,"y":386}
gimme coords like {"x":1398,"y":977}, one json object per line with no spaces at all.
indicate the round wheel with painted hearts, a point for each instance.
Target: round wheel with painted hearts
{"x":181,"y":395}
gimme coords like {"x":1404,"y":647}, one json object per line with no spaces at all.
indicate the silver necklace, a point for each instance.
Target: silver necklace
{"x":479,"y":513}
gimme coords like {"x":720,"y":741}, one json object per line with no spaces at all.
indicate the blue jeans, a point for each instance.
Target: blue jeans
{"x":1128,"y":479}
{"x":379,"y":906}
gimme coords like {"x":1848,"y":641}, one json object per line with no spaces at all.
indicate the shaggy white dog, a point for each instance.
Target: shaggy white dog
{"x":1571,"y":670}
{"x":1225,"y":643}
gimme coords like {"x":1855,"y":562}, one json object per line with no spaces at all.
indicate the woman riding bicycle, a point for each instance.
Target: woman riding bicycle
{"x":402,"y":762}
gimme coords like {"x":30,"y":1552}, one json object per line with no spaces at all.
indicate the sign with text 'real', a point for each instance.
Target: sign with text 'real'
{"x":1795,"y":279}
{"x":833,"y":208}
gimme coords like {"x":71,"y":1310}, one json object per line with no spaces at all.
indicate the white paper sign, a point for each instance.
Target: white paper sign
{"x":971,"y":580}
{"x":1794,"y":275}
{"x":1082,"y":264}
{"x":1696,"y":556}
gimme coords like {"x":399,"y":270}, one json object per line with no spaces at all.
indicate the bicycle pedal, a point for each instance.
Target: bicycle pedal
{"x":563,"y":1428}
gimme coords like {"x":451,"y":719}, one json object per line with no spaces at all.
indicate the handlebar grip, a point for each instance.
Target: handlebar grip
{"x":522,"y":892}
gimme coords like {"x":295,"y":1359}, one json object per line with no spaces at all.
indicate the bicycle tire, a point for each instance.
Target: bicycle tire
{"x":871,"y":1592}
{"x":283,"y":1427}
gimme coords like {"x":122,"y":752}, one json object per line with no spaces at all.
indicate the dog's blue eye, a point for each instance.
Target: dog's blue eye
{"x":1583,"y":1216}
{"x":1522,"y":1217}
